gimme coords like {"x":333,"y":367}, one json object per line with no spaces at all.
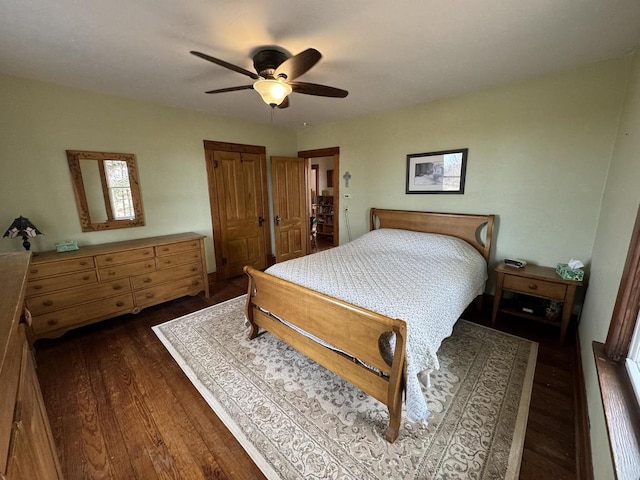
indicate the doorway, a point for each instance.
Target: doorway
{"x":323,"y":197}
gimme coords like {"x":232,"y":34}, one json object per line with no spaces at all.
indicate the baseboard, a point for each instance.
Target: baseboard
{"x":584,"y":461}
{"x":212,"y":278}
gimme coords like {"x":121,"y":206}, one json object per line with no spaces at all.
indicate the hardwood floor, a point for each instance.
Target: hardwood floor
{"x":120,"y":407}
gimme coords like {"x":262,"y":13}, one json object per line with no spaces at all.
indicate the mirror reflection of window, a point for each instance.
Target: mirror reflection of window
{"x":117,"y":176}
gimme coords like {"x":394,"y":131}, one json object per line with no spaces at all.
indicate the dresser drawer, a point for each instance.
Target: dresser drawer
{"x":169,"y":291}
{"x":51,"y":302}
{"x":172,"y":248}
{"x":126,"y":270}
{"x":125,"y":256}
{"x":37,"y":270}
{"x":70,"y":317}
{"x":161,"y":276}
{"x":535,"y":287}
{"x":44,"y":285}
{"x":178,"y":259}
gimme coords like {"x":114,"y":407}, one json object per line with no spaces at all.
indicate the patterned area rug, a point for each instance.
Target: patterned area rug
{"x":298,"y":420}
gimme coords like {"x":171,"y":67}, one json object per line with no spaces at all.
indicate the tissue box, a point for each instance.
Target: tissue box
{"x":66,"y":246}
{"x":569,"y":273}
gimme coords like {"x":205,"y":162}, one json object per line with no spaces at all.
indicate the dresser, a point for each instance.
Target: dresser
{"x":27,"y":449}
{"x":70,"y":289}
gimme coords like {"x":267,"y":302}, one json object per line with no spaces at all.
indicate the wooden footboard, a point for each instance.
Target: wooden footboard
{"x":352,"y":330}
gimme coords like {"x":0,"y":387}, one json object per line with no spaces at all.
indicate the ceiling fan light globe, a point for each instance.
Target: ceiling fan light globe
{"x":273,"y":92}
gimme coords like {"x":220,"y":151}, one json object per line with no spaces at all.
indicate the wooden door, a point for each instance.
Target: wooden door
{"x":291,"y":220}
{"x":237,"y":188}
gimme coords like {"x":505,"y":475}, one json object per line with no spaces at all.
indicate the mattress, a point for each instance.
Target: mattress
{"x":425,"y":279}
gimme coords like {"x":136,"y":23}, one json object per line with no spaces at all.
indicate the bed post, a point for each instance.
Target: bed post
{"x":253,"y":331}
{"x":396,"y":384}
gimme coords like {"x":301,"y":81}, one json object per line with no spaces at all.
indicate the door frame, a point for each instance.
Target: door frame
{"x":212,"y":145}
{"x":325,"y":152}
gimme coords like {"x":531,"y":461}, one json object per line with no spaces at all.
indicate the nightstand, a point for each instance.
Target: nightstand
{"x":535,"y":281}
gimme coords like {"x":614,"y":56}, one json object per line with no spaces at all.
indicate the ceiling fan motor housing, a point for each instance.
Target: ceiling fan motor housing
{"x":267,"y":61}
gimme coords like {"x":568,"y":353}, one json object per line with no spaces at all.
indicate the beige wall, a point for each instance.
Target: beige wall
{"x":617,"y":217}
{"x":39,"y":121}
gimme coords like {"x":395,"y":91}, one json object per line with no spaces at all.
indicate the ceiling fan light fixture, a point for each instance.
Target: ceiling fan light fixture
{"x":272,"y":91}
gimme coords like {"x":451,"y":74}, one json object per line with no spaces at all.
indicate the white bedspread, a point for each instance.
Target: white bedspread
{"x":425,"y":279}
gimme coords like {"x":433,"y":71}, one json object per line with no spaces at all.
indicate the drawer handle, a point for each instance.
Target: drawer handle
{"x":53,"y":321}
{"x":47,"y":303}
{"x":112,"y":273}
{"x":117,"y":287}
{"x":34,"y":270}
{"x":108,"y":259}
{"x":86,"y":277}
{"x":119,"y":303}
{"x":194,"y":244}
{"x":146,"y":252}
{"x":194,"y":269}
{"x":165,"y":249}
{"x":37,"y":287}
{"x":146,"y":280}
{"x":533,"y":286}
{"x":195,"y":283}
{"x":83,"y":263}
{"x":149,"y":295}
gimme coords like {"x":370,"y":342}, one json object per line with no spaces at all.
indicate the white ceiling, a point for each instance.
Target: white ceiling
{"x":387,"y":54}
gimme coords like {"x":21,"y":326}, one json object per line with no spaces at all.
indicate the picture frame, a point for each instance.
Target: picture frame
{"x":440,"y":172}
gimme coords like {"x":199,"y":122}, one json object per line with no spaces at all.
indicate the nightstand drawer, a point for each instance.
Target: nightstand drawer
{"x":538,"y":288}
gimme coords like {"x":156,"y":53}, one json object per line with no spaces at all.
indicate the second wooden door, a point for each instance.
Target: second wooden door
{"x":291,"y":222}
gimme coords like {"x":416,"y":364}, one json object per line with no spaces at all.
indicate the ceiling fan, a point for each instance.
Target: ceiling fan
{"x":276,"y":74}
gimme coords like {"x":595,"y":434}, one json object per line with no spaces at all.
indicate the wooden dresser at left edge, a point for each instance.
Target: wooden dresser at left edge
{"x":70,"y":289}
{"x":27,"y":449}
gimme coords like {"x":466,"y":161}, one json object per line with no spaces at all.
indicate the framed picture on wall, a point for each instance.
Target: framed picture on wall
{"x":437,"y":172}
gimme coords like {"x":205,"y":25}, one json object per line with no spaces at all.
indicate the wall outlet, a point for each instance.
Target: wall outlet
{"x":346,"y":195}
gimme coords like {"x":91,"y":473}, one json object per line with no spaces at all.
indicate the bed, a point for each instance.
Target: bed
{"x":376,"y":309}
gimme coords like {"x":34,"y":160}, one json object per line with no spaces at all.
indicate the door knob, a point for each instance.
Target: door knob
{"x":260,"y":221}
{"x":278,"y":219}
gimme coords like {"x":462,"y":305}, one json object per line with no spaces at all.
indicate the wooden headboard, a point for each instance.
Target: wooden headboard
{"x":460,"y":225}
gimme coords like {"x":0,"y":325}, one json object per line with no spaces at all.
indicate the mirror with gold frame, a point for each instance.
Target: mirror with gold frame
{"x":107,"y":190}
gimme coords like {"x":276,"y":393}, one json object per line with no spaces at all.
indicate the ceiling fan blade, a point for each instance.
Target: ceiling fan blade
{"x":299,"y":64}
{"x":285,"y":103}
{"x":231,"y":89}
{"x":224,"y":64}
{"x":318,"y":90}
